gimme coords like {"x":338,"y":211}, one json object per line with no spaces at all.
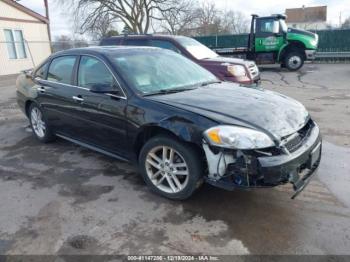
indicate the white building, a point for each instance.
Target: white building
{"x":307,"y":18}
{"x":24,"y":38}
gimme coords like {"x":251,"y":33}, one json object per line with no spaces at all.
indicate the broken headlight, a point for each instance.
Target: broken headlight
{"x":237,"y":138}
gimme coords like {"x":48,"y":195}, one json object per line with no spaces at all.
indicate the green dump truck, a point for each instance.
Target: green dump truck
{"x":271,"y":41}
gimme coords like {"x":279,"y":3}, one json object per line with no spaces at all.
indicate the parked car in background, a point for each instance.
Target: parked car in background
{"x":226,"y":69}
{"x":175,"y":119}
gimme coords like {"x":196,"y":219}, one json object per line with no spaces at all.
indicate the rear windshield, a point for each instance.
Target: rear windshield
{"x":110,"y":41}
{"x":198,"y":50}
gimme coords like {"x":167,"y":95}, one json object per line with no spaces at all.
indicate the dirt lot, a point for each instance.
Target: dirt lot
{"x":63,"y":199}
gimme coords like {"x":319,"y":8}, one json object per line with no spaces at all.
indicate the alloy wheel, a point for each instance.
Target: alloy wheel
{"x":167,"y":169}
{"x":38,"y":123}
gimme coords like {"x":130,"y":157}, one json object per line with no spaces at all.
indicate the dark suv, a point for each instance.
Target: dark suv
{"x":225,"y":68}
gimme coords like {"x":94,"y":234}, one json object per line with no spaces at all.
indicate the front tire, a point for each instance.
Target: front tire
{"x":171,"y":168}
{"x":39,"y":124}
{"x":294,"y":61}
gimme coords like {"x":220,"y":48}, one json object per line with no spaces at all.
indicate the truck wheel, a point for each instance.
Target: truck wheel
{"x":293,"y":61}
{"x":170,"y":168}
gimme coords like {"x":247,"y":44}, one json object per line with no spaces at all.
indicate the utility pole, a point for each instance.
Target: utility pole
{"x":48,"y":17}
{"x":47,"y":14}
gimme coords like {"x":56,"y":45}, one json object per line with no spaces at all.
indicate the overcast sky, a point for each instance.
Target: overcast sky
{"x":61,"y":23}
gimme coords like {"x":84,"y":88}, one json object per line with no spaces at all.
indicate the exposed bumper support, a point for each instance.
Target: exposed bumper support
{"x":300,"y":184}
{"x":229,"y":170}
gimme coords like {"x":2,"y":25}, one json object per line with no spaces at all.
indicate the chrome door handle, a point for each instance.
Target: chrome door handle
{"x":78,"y":98}
{"x":41,"y":89}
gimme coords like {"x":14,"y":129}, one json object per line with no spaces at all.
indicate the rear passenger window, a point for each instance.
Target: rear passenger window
{"x":61,"y":69}
{"x":110,"y":41}
{"x":137,"y":42}
{"x":165,"y":45}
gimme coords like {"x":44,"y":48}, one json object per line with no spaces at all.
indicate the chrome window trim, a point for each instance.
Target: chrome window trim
{"x":83,"y":88}
{"x":64,"y":84}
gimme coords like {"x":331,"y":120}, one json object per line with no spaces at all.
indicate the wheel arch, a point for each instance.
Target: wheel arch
{"x":292,"y":46}
{"x":182,"y":133}
{"x":27,"y":105}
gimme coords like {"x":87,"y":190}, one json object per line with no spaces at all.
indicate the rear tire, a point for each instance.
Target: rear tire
{"x":170,"y":167}
{"x":39,"y":124}
{"x":293,"y":61}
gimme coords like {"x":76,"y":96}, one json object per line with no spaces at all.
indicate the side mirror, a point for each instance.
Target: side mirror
{"x":276,"y":27}
{"x":28,"y":73}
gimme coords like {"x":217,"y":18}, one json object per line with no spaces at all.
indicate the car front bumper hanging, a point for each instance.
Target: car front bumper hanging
{"x":297,"y":168}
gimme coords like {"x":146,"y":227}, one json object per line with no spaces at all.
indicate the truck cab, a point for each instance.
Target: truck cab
{"x":271,"y":41}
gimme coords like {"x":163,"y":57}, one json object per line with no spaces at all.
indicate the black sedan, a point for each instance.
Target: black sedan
{"x":175,"y":120}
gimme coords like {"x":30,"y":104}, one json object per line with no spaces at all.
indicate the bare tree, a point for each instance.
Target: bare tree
{"x":135,"y":14}
{"x":208,"y":19}
{"x":62,"y":42}
{"x":346,"y":24}
{"x":234,"y":22}
{"x":97,"y":17}
{"x":177,"y":21}
{"x":97,"y":28}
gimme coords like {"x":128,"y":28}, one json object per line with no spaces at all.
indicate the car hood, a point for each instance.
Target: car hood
{"x":230,"y":60}
{"x":226,"y":103}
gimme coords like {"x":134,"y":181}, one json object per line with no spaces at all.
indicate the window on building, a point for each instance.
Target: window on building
{"x":15,"y":44}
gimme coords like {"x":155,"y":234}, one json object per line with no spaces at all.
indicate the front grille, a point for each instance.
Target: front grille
{"x":253,"y":70}
{"x":295,"y":141}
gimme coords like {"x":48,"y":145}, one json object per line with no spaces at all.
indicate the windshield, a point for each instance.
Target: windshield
{"x":198,"y":50}
{"x":151,"y":71}
{"x":284,"y":25}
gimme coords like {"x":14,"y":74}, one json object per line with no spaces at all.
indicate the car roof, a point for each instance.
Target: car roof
{"x":144,"y":36}
{"x":105,"y":50}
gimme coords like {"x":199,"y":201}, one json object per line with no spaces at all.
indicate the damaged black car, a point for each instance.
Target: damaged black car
{"x":171,"y":117}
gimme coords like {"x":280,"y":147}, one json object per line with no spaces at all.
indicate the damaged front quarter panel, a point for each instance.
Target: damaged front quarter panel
{"x":229,"y":168}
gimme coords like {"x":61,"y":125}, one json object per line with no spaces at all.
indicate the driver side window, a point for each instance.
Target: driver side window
{"x":94,"y":73}
{"x":267,"y":27}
